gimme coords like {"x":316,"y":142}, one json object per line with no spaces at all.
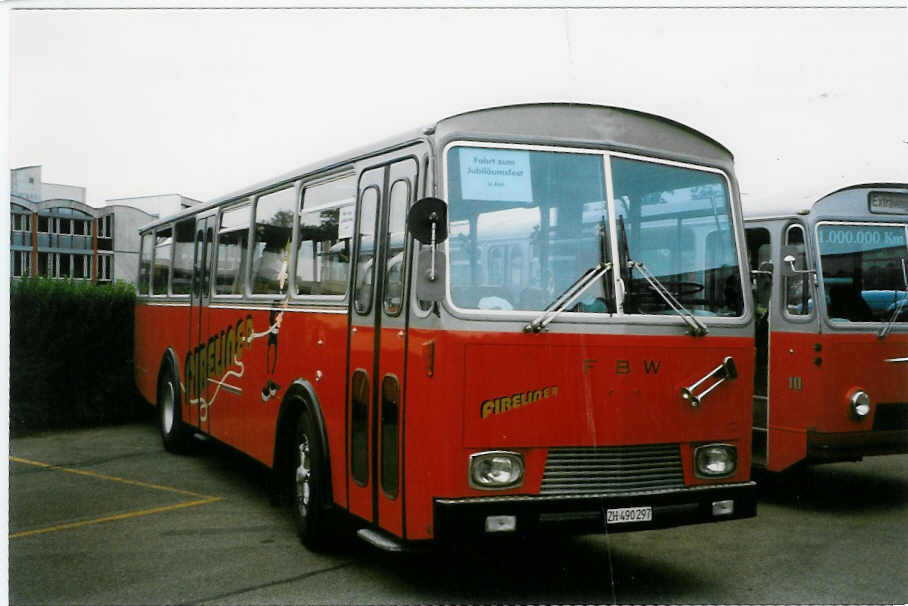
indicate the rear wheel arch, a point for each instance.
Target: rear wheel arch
{"x":168,"y":364}
{"x":300,"y":397}
{"x":175,"y":434}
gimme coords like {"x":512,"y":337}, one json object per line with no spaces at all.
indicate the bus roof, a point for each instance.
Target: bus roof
{"x":842,"y":201}
{"x":624,"y":129}
{"x":599,"y":125}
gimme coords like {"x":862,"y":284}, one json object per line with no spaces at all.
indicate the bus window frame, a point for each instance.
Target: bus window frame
{"x":173,"y":253}
{"x":154,"y":256}
{"x":150,"y":234}
{"x":291,"y":261}
{"x":821,"y":288}
{"x":408,"y":202}
{"x":250,"y":219}
{"x":782,"y":299}
{"x":315,"y":181}
{"x":619,"y":317}
{"x":357,"y":246}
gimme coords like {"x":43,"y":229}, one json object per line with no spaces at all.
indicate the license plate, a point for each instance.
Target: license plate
{"x":623,"y":515}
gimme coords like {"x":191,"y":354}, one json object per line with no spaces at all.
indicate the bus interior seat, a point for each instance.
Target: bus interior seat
{"x":469,"y":296}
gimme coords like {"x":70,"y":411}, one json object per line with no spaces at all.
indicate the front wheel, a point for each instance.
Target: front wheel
{"x":309,"y":484}
{"x":174,"y":433}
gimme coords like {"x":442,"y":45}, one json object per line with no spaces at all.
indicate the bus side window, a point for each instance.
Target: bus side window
{"x":233,"y":240}
{"x":181,"y":278}
{"x":397,"y":220}
{"x":365,"y":262}
{"x":144,"y":265}
{"x":274,"y":215}
{"x":160,"y":276}
{"x":798,"y":301}
{"x":325,"y":232}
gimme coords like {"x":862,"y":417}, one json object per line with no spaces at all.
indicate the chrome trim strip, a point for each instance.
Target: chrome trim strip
{"x":896,"y":360}
{"x":161,"y":303}
{"x":589,"y":496}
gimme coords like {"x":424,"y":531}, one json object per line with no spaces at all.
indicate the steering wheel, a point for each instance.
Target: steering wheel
{"x":678,"y":289}
{"x":685,"y":288}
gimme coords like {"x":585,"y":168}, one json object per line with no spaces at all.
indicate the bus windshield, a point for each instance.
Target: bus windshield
{"x":526,"y":224}
{"x":677,"y":222}
{"x":863,"y":269}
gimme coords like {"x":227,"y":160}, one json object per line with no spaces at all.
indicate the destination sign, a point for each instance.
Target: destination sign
{"x":501,"y":175}
{"x":842,"y":239}
{"x":889,"y":203}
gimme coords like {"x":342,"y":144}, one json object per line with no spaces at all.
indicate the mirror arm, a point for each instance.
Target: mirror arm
{"x":791,"y":263}
{"x":434,"y":219}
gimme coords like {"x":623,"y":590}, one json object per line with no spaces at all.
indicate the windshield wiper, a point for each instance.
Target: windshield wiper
{"x":898,"y":308}
{"x":568,"y":296}
{"x":696,"y":327}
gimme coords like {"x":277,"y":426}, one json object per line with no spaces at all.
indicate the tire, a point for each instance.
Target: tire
{"x":309,"y":484}
{"x":175,"y":435}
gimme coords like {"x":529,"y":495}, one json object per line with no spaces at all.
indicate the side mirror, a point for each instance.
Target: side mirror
{"x":428,"y":222}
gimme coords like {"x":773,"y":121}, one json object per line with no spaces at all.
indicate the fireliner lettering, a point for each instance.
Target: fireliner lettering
{"x":497,"y":406}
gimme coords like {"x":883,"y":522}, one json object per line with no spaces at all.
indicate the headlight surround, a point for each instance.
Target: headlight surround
{"x":496,"y":470}
{"x":715,"y":460}
{"x":859,"y":403}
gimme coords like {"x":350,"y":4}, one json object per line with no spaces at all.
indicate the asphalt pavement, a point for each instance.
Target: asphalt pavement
{"x":106,"y":516}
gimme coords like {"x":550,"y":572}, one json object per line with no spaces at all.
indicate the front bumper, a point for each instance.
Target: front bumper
{"x":848,"y":446}
{"x":574,"y":514}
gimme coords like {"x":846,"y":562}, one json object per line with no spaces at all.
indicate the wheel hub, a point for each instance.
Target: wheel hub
{"x":303,"y":474}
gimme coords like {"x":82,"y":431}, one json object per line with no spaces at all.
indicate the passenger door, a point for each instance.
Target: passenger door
{"x":197,"y":387}
{"x":378,"y":341}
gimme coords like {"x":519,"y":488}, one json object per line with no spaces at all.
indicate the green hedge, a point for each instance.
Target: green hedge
{"x":71,"y":355}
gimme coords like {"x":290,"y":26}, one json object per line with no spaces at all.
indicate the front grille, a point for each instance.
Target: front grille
{"x":891,"y":416}
{"x":612,"y":469}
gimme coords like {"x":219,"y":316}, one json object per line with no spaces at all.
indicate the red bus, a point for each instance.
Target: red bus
{"x":515,"y":319}
{"x":831,"y":379}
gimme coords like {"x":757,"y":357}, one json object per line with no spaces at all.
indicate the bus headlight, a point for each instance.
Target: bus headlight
{"x":860,"y":404}
{"x":715,"y":460}
{"x":496,"y":470}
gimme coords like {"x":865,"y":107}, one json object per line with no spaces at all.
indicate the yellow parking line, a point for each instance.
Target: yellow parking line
{"x":121,"y":516}
{"x":101,"y":476}
{"x":203,"y":500}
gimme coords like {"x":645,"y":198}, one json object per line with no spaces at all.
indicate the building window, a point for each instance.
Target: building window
{"x":42,"y":224}
{"x":105,"y":267}
{"x":65,"y":266}
{"x":16,"y":265}
{"x":79,"y":267}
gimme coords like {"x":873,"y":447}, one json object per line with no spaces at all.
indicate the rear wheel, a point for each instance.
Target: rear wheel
{"x":309,"y":484}
{"x":174,"y":433}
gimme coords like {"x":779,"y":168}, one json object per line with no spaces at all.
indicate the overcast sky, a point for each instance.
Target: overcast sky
{"x":203,"y":102}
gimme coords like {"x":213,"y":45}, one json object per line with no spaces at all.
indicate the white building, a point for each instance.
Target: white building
{"x":56,"y":234}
